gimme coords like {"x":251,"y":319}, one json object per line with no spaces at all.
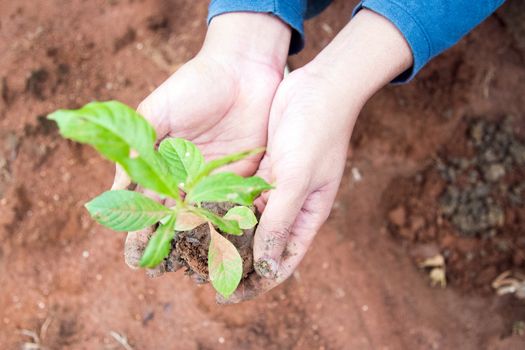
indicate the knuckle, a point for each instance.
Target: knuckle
{"x":275,"y":233}
{"x":294,"y":181}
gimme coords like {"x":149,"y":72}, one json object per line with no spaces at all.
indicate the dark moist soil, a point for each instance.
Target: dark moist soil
{"x":467,"y":204}
{"x":190,"y":248}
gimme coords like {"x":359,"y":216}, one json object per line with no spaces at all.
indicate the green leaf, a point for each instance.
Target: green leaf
{"x":224,"y":264}
{"x":228,"y":187}
{"x":159,"y":245}
{"x":126,"y":210}
{"x":219,"y":162}
{"x":115,"y":130}
{"x":123,"y":124}
{"x":151,"y":172}
{"x":243,"y":215}
{"x":228,"y":226}
{"x":183,"y":157}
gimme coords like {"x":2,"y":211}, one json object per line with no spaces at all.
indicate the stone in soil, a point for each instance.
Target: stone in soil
{"x":474,"y":208}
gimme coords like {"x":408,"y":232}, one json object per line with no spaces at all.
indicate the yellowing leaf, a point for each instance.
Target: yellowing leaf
{"x":224,"y":264}
{"x":187,"y":221}
{"x":227,"y":226}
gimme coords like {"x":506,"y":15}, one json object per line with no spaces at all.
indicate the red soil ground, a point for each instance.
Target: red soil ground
{"x":63,"y":277}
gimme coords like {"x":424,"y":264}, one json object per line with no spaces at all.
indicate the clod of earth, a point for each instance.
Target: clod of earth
{"x":190,"y":248}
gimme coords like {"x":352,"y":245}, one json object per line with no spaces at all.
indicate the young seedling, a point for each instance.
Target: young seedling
{"x":175,"y":170}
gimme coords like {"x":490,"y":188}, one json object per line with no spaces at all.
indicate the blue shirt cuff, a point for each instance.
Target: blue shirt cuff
{"x":408,"y":26}
{"x":290,"y":12}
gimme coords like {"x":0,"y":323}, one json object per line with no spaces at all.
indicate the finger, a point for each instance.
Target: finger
{"x":264,"y":172}
{"x":282,"y":208}
{"x":121,"y":180}
{"x":313,"y":214}
{"x":260,"y":203}
{"x":246,"y":167}
{"x":135,"y":245}
{"x":249,"y":289}
{"x":137,"y":241}
{"x":153,"y":109}
{"x":310,"y":219}
{"x":198,"y":279}
{"x":157,"y":271}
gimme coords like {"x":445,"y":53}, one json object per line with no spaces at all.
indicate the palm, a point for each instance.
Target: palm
{"x":219,"y":105}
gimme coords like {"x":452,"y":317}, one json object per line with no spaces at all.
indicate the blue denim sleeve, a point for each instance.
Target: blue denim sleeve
{"x":431,"y":26}
{"x":291,"y":12}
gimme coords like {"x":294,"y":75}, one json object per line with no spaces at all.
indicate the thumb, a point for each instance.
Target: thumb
{"x":283,"y":206}
{"x":121,"y":180}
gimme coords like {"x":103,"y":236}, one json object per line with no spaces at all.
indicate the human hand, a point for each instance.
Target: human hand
{"x":220,"y":100}
{"x":311,"y":121}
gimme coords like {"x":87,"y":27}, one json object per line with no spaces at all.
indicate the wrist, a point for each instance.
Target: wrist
{"x":366,"y":55}
{"x":258,"y":37}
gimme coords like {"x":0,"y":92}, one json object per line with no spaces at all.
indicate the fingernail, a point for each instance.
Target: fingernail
{"x":115,"y":185}
{"x":120,"y":182}
{"x":266,"y":267}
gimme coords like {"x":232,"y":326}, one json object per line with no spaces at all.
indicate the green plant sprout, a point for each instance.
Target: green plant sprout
{"x":177,"y":170}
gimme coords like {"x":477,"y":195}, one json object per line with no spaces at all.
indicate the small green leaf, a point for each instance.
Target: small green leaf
{"x":115,"y":130}
{"x":126,"y":210}
{"x":159,"y":245}
{"x":183,"y":157}
{"x":187,"y":220}
{"x":219,"y":162}
{"x":243,"y":215}
{"x":224,"y":264}
{"x":228,"y":226}
{"x":228,"y":187}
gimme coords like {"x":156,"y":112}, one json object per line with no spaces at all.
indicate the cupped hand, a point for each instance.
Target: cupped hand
{"x":312,"y":117}
{"x":308,"y":137}
{"x":220,"y":100}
